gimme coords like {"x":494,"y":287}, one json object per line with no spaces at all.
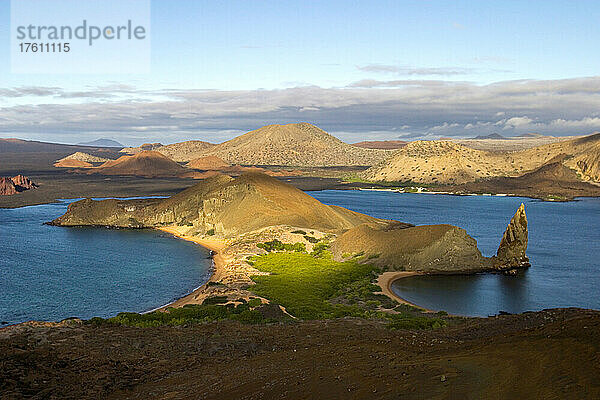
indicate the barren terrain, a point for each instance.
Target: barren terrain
{"x":546,"y":355}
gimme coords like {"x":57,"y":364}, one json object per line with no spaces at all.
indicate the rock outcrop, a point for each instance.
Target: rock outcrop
{"x":511,"y":253}
{"x":23,"y":182}
{"x":7,"y":187}
{"x":14,"y":185}
{"x":433,"y":248}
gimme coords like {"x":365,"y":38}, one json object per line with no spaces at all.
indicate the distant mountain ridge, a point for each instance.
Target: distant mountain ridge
{"x":102,"y":143}
{"x":493,"y":136}
{"x":381,"y":144}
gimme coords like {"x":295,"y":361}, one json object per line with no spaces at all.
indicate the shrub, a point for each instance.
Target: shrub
{"x":210,"y":232}
{"x":311,"y":239}
{"x":319,"y":249}
{"x":404,"y":321}
{"x":248,"y":317}
{"x":278,"y":245}
{"x":299,"y":232}
{"x":254,"y":302}
{"x":215,"y":300}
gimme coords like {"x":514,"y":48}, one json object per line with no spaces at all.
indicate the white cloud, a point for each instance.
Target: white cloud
{"x":516,"y":122}
{"x":421,"y":107}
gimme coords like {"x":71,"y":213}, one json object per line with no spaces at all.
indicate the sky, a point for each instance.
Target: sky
{"x":361,"y":70}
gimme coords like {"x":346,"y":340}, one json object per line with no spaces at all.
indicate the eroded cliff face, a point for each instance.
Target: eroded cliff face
{"x":513,"y":246}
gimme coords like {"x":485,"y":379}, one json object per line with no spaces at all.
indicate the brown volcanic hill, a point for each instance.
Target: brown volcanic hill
{"x":69,"y":163}
{"x":586,"y":159}
{"x":301,"y":145}
{"x":185,"y":151}
{"x":110,"y":163}
{"x":551,"y":180}
{"x":447,"y":162}
{"x":227,"y":205}
{"x":143,"y":147}
{"x":147,"y":164}
{"x":381,"y":144}
{"x":515,"y":143}
{"x":442,"y":162}
{"x":80,"y":156}
{"x":208,"y":163}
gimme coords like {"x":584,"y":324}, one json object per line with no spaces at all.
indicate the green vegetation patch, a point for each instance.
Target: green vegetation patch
{"x":303,"y":284}
{"x":312,"y":287}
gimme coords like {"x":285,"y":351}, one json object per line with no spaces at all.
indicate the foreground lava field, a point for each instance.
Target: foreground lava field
{"x":553,"y":354}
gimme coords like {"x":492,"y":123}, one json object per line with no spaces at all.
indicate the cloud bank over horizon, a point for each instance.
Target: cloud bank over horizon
{"x":368,"y":109}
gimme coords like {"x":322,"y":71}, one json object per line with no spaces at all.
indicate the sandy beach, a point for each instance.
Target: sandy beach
{"x":219,"y":261}
{"x":385,"y":280}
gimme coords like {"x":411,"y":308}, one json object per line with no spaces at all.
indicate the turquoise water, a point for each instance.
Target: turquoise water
{"x":564,"y":250}
{"x":51,"y":273}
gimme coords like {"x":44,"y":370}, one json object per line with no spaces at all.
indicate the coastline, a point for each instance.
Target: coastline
{"x":27,"y":203}
{"x":219,"y":261}
{"x":385,"y":280}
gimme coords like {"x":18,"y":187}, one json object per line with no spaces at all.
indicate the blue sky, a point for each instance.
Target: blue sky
{"x":359,"y":69}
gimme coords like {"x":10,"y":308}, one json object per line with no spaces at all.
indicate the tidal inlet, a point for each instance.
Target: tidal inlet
{"x":352,"y":201}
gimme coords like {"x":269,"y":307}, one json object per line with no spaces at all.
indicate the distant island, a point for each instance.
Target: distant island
{"x":255,"y":214}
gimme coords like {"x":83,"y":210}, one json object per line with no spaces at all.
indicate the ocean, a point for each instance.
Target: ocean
{"x":50,"y":273}
{"x":564,"y":250}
